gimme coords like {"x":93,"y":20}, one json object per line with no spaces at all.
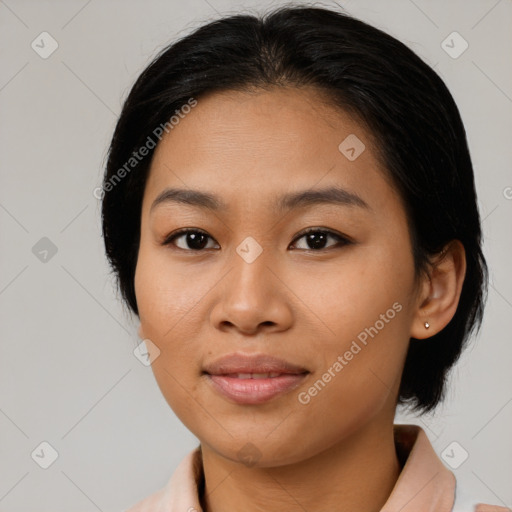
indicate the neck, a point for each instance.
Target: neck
{"x":338,"y":478}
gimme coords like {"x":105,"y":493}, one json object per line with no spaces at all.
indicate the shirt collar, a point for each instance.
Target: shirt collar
{"x":424,"y":484}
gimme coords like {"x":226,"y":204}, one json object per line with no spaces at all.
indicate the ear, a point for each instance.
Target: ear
{"x":440,"y":291}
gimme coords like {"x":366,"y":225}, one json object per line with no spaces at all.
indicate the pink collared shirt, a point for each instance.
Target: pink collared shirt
{"x":424,"y":484}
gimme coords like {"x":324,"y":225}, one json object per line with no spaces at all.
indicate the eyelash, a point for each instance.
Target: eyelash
{"x":341,"y":239}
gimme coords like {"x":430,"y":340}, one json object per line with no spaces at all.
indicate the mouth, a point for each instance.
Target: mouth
{"x":270,"y":375}
{"x":253,"y":379}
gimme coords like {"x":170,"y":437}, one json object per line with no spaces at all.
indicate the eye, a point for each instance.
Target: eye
{"x":196,"y":240}
{"x":316,"y":238}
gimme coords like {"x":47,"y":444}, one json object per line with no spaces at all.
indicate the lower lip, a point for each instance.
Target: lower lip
{"x":255,"y":391}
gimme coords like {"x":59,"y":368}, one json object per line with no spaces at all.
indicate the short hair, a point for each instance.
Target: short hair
{"x":406,"y":106}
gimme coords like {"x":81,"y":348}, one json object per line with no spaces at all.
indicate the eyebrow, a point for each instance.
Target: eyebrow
{"x":289,"y":201}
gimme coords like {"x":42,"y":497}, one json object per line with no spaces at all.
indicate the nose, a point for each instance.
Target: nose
{"x":252,"y":298}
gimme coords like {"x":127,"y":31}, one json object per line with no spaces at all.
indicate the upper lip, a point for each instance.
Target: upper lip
{"x":251,"y":363}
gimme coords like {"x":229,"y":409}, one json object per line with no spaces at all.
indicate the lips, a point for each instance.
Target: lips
{"x":254,"y":364}
{"x":253,"y":379}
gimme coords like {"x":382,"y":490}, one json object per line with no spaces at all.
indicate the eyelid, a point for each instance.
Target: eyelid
{"x":343,"y":239}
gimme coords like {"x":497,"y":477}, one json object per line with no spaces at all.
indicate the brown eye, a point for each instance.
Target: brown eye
{"x":196,"y":240}
{"x":316,"y":239}
{"x":193,"y":239}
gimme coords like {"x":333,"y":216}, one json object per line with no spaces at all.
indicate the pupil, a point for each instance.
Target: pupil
{"x":193,"y":240}
{"x":320,"y":240}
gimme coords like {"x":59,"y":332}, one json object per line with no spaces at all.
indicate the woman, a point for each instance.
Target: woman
{"x":289,"y":207}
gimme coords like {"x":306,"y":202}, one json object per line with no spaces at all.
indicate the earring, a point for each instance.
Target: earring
{"x":427,"y":325}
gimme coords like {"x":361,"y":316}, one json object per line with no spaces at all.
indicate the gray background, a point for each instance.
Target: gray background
{"x":68,"y":375}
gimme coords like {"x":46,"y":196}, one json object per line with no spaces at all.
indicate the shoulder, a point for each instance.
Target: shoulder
{"x":482,"y":507}
{"x":180,"y":494}
{"x":151,"y":503}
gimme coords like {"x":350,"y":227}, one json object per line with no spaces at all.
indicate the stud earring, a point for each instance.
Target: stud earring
{"x":427,"y":325}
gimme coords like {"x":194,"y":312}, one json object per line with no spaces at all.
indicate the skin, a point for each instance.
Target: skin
{"x":295,"y":302}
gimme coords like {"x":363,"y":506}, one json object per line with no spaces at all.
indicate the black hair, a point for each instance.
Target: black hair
{"x":406,"y":106}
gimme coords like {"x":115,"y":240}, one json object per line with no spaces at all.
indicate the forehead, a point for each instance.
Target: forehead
{"x":275,"y":117}
{"x":248,"y":144}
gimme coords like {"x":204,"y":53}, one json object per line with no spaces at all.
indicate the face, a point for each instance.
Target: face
{"x":336,"y":303}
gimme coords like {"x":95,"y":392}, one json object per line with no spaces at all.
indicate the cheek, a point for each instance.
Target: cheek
{"x":359,"y":291}
{"x":172,"y":302}
{"x":358,"y":378}
{"x":168,"y":315}
{"x":366,"y":308}
{"x":164,"y":294}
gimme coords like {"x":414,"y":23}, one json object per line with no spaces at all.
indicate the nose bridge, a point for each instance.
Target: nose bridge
{"x":250,"y":261}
